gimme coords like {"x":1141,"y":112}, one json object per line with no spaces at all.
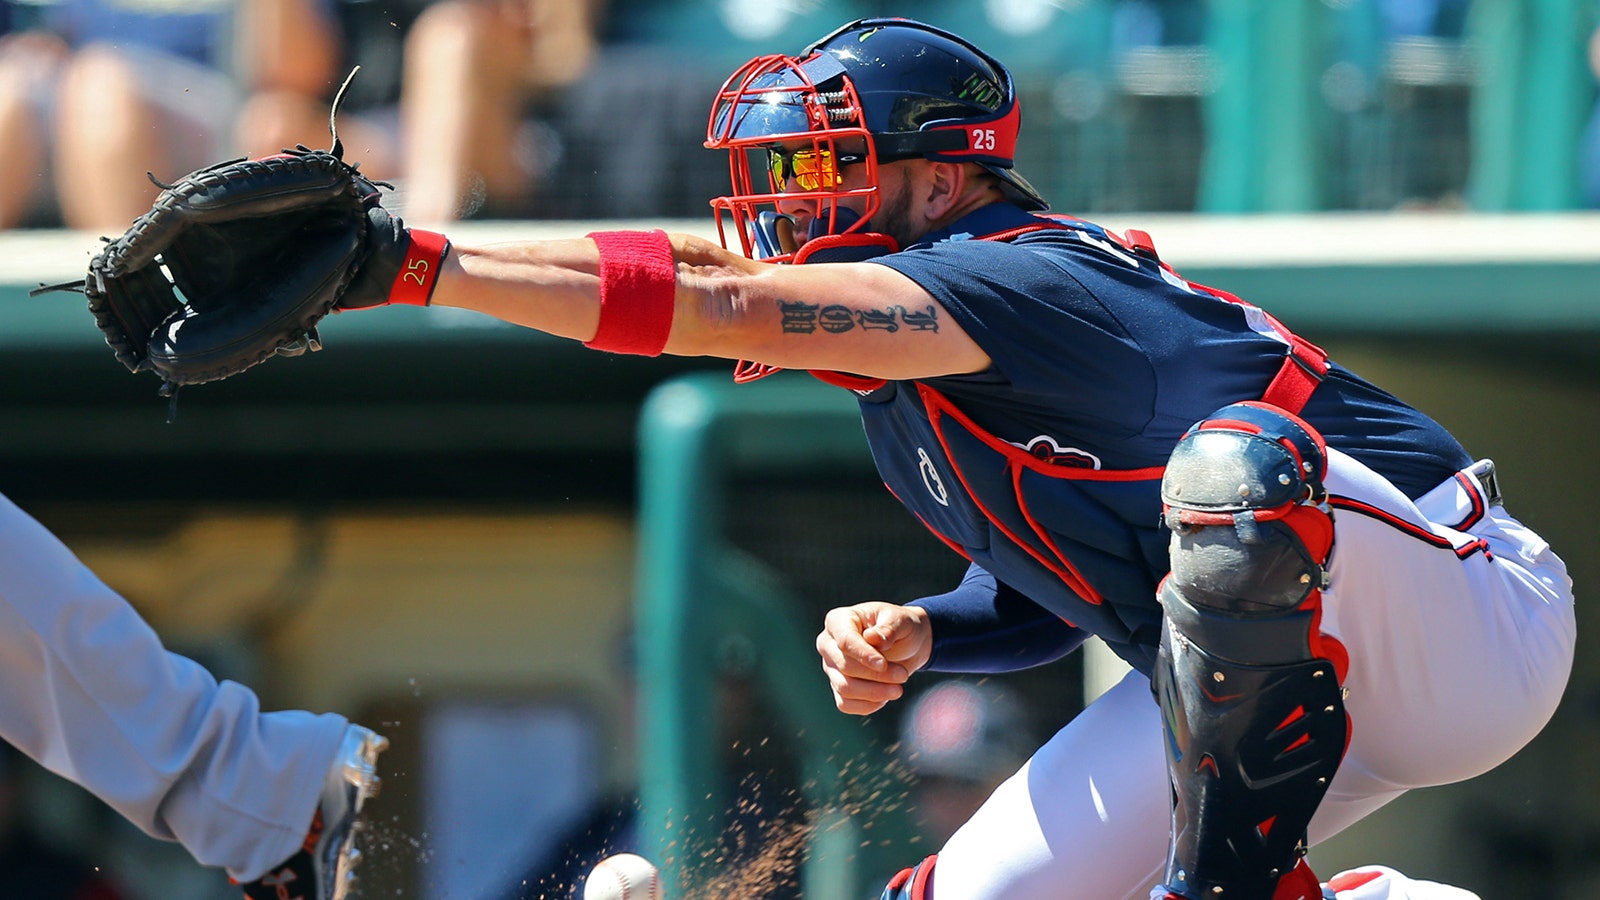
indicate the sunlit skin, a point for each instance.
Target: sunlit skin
{"x":870,"y":650}
{"x":729,"y":306}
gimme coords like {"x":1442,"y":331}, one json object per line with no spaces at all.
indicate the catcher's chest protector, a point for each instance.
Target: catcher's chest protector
{"x":1083,"y":540}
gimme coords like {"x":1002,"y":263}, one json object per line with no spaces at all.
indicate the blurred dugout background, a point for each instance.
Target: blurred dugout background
{"x":434,"y":525}
{"x":1147,"y":105}
{"x":1130,"y":105}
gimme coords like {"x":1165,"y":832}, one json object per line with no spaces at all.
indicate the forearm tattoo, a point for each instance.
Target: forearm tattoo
{"x":806,"y":318}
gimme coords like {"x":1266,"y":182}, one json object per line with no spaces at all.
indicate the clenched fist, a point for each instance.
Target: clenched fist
{"x":869,"y":650}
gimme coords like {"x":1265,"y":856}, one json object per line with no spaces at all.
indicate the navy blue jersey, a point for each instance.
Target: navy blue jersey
{"x":1044,"y":469}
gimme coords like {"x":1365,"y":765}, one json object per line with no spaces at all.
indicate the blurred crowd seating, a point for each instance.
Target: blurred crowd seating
{"x":575,"y":109}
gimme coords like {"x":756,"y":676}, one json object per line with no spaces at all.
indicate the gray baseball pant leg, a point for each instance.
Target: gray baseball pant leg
{"x":88,"y":690}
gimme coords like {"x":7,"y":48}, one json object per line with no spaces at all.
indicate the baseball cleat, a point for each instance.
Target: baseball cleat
{"x":323,"y":869}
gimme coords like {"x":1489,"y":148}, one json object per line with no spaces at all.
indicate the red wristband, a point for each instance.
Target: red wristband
{"x":413,"y":284}
{"x":638,"y":288}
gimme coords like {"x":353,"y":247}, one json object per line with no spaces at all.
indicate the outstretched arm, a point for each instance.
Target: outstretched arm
{"x":850,"y":317}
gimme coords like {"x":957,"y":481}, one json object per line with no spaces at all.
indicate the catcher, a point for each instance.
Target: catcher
{"x":1323,"y":597}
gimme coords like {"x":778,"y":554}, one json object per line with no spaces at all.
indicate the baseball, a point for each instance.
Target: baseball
{"x":626,"y":876}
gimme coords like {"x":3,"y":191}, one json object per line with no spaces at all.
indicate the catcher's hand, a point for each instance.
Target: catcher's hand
{"x":238,"y":262}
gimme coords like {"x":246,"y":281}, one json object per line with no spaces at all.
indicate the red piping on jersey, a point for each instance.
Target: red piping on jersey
{"x":1086,"y":591}
{"x":936,"y":406}
{"x":1304,"y":366}
{"x":947,"y":541}
{"x":1347,"y":881}
{"x":936,"y":532}
{"x":847,"y":381}
{"x":1015,"y":454}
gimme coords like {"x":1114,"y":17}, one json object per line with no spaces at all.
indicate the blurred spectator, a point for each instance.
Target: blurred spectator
{"x":478,"y":77}
{"x":1399,"y":87}
{"x":36,"y":868}
{"x":1157,"y":23}
{"x":292,"y":55}
{"x":961,"y":739}
{"x":1425,"y":18}
{"x":631,"y":128}
{"x":96,"y":93}
{"x":1162,"y":71}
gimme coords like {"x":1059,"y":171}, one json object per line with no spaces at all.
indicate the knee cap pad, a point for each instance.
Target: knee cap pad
{"x":1245,"y":458}
{"x":1244,"y":498}
{"x":1254,"y":715}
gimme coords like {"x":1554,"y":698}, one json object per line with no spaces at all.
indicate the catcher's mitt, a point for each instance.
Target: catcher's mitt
{"x":238,"y":262}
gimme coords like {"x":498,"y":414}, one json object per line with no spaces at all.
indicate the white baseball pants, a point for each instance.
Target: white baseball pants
{"x":1457,"y":659}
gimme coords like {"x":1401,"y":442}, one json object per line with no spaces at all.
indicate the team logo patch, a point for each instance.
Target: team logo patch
{"x":1046,"y":448}
{"x":931,"y":479}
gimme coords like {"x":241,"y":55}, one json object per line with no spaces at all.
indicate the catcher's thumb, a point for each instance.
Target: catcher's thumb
{"x":401,"y":266}
{"x":889,"y":635}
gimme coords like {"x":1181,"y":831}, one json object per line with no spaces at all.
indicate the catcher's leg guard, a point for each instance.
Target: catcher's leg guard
{"x":912,"y":883}
{"x":1248,"y":686}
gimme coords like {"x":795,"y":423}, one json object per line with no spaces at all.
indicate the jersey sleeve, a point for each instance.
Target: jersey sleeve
{"x":1039,"y":317}
{"x":985,"y":625}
